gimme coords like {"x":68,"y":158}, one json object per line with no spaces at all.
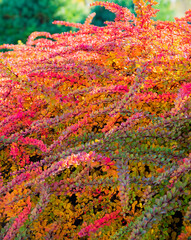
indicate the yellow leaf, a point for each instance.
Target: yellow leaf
{"x":133,"y":206}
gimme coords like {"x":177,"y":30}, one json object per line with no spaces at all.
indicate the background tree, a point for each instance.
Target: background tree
{"x":18,"y":19}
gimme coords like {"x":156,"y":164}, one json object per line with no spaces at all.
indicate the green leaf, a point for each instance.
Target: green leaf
{"x":169,"y":195}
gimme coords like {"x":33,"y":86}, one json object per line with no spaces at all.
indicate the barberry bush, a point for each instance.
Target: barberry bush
{"x":95,"y":130}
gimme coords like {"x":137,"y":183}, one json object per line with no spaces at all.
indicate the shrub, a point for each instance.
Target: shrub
{"x":95,"y":130}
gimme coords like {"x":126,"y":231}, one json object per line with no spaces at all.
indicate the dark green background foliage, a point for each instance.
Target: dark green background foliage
{"x":19,"y":18}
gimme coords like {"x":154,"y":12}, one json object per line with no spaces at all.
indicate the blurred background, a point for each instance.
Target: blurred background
{"x":180,"y":7}
{"x":19,"y":18}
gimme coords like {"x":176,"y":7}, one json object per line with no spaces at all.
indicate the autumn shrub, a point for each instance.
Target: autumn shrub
{"x":95,"y":130}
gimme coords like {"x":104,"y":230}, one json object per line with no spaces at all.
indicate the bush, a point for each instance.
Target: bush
{"x":95,"y":131}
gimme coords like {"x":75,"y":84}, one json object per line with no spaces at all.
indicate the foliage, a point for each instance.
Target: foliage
{"x":103,"y":15}
{"x":20,"y":18}
{"x":95,"y":130}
